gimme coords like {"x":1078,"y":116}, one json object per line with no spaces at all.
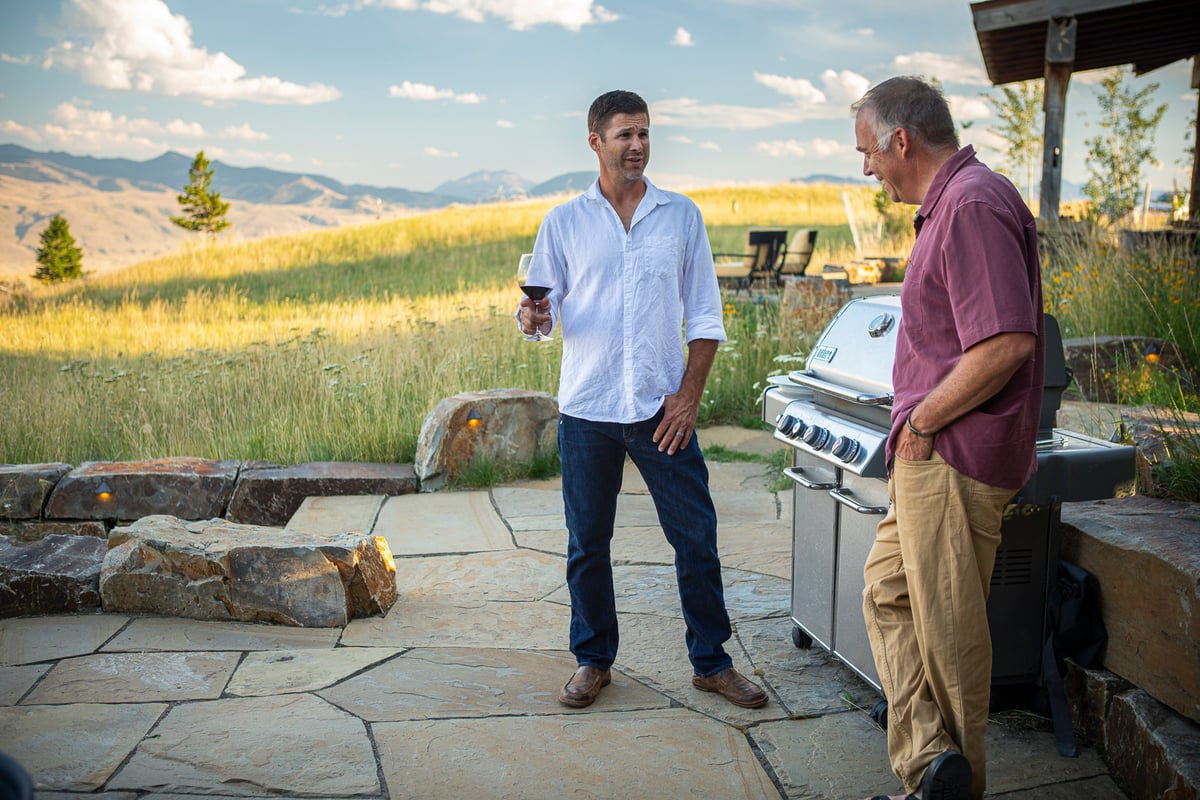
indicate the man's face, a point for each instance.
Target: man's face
{"x":879,"y":157}
{"x":624,"y":147}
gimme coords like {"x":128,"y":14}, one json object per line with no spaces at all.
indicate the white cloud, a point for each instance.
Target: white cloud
{"x":680,"y":139}
{"x":439,"y":153}
{"x":12,"y":128}
{"x":423,"y":91}
{"x":519,"y":14}
{"x":139,"y":45}
{"x":806,"y":102}
{"x":792,"y":148}
{"x":7,"y":59}
{"x":965,"y":109}
{"x":89,"y":130}
{"x":710,"y":146}
{"x":503,"y":123}
{"x":682,"y":38}
{"x":947,"y":69}
{"x":243,"y":132}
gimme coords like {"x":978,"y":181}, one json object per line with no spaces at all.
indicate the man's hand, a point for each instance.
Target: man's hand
{"x":680,"y":410}
{"x":535,"y":315}
{"x":911,"y":447}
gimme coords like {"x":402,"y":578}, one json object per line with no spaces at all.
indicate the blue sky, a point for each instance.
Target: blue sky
{"x":411,"y":93}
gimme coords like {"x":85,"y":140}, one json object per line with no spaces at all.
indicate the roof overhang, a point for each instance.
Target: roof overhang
{"x":1145,"y":33}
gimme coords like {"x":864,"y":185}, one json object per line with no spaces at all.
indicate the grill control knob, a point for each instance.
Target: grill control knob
{"x":845,"y":448}
{"x":787,"y":424}
{"x":816,"y":437}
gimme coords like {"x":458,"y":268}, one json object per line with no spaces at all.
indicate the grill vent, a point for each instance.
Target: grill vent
{"x":1014,"y":567}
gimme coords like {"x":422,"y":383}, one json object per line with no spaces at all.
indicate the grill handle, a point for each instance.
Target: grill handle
{"x":796,"y":475}
{"x":849,"y":502}
{"x":804,"y":377}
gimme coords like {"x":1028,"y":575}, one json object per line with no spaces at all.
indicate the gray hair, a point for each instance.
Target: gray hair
{"x":913,"y":104}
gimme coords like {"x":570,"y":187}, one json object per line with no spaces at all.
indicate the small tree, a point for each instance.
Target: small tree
{"x":58,"y":258}
{"x":203,"y":209}
{"x":1020,"y":113}
{"x":1126,"y":142}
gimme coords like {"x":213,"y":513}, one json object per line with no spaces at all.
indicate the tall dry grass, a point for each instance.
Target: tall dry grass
{"x":326,"y":346}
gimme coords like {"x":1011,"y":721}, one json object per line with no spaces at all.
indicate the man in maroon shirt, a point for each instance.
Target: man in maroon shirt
{"x":968,"y":391}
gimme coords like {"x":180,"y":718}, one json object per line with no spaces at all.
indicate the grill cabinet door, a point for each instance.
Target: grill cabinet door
{"x":814,"y":546}
{"x":864,"y":503}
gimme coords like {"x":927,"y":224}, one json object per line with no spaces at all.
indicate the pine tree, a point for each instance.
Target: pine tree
{"x":203,"y":209}
{"x":58,"y":257}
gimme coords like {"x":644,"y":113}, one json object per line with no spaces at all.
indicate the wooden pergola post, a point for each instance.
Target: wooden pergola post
{"x":1060,"y":58}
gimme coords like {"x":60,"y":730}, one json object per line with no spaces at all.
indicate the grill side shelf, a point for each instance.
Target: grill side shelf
{"x":805,"y":377}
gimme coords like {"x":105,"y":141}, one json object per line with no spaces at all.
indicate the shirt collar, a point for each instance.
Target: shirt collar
{"x":948,"y":170}
{"x":654,"y":197}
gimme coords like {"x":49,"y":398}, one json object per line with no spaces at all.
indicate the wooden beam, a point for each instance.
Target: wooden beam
{"x":998,"y":15}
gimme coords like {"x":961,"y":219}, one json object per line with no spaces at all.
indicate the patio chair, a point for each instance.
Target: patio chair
{"x":765,"y":249}
{"x":799,"y":252}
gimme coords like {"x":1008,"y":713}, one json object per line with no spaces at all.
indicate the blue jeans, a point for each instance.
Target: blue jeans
{"x":593,"y":459}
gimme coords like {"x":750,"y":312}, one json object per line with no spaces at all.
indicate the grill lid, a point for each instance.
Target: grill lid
{"x":854,"y":354}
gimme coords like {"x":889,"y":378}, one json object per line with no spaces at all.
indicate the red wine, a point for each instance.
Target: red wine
{"x":535,"y":292}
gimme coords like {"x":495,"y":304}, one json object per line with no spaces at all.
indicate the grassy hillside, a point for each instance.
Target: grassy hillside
{"x":331,"y":345}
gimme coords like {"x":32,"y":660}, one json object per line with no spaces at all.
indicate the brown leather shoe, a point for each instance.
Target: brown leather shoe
{"x":734,"y":687}
{"x":584,"y":687}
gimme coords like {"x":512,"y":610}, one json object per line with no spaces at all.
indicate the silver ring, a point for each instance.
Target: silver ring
{"x":679,"y":433}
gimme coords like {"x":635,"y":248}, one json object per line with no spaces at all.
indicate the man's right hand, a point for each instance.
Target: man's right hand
{"x":535,"y":314}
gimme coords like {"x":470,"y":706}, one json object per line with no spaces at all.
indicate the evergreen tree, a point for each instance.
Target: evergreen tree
{"x":1116,"y":156}
{"x":58,"y":258}
{"x":1020,"y":126}
{"x":203,"y":209}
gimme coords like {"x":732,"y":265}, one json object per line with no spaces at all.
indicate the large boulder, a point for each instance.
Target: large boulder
{"x":53,"y":575}
{"x":226,"y":571}
{"x":270,"y":495}
{"x":188,"y":488}
{"x":25,"y":487}
{"x":504,"y":427}
{"x":1145,"y":555}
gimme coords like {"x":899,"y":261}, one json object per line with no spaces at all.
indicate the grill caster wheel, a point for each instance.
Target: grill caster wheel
{"x":801,"y":639}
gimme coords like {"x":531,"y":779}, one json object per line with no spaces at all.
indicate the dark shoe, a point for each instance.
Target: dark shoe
{"x":734,"y":687}
{"x":584,"y":687}
{"x":948,"y":777}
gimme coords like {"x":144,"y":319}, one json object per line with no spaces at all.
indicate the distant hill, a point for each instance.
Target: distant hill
{"x":485,"y":187}
{"x":576,"y":182}
{"x":835,"y":179}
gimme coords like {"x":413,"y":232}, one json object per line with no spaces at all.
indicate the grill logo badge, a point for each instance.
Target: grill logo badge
{"x":880,"y":325}
{"x":824,"y":353}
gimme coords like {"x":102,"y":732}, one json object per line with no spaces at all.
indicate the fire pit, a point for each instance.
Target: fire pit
{"x":835,"y":416}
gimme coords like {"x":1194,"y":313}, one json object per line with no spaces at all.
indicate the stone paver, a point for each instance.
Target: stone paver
{"x":255,"y":746}
{"x":136,"y":678}
{"x":449,"y":522}
{"x":452,"y":693}
{"x":284,"y":671}
{"x":647,"y":756}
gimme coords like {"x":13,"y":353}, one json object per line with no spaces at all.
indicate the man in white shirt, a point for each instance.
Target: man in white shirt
{"x":632,"y":271}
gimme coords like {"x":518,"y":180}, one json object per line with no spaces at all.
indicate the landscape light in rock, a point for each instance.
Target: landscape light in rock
{"x":474,"y":419}
{"x":103,"y":493}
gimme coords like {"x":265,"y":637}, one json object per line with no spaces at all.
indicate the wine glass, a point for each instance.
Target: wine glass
{"x":536,"y":279}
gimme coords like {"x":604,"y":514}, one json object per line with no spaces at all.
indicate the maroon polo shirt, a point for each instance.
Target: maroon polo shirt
{"x":973,"y":273}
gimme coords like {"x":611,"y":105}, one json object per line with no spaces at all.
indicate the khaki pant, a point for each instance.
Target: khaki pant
{"x":925,"y":605}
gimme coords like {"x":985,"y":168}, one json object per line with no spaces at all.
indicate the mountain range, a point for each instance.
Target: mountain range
{"x":119,"y":210}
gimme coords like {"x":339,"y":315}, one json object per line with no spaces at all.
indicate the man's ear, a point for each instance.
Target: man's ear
{"x":594,"y":141}
{"x":903,"y":139}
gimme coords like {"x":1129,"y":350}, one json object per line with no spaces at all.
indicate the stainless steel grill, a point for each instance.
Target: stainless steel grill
{"x":835,"y":416}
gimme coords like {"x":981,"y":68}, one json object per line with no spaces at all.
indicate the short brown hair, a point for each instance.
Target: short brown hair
{"x":609,"y":104}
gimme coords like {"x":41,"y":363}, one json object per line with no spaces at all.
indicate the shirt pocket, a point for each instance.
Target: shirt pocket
{"x":662,"y":258}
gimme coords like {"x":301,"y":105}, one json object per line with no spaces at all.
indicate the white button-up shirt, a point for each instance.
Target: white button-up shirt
{"x":622,"y":301}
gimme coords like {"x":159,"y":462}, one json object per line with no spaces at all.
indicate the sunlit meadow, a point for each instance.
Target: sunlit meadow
{"x":329,"y":346}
